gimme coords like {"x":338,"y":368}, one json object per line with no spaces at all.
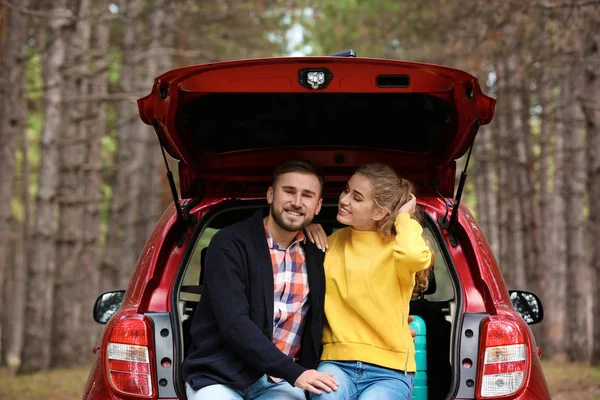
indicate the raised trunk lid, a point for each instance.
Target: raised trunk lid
{"x":235,"y":121}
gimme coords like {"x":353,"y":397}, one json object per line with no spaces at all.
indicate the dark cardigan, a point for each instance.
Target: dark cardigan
{"x":232,"y":328}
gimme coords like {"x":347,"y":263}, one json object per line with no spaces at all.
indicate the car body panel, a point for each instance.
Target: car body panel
{"x":497,"y":295}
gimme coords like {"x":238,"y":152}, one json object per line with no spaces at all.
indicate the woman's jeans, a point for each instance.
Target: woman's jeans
{"x":362,"y":381}
{"x":262,"y":389}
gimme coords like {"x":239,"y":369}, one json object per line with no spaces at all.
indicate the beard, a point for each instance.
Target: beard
{"x":290,"y":226}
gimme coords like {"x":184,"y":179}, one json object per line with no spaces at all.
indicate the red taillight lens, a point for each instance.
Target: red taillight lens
{"x":128,"y":357}
{"x":130,"y":331}
{"x":129,"y":383}
{"x":504,"y":361}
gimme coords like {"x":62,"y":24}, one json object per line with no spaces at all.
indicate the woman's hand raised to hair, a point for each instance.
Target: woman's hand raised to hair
{"x":316,"y":234}
{"x":410,"y":206}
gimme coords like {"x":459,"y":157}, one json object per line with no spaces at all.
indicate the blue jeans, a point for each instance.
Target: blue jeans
{"x":262,"y":389}
{"x":362,"y":381}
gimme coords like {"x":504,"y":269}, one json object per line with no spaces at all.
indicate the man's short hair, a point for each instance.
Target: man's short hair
{"x":301,"y":166}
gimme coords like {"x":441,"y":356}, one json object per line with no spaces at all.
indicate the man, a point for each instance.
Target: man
{"x":257,"y":331}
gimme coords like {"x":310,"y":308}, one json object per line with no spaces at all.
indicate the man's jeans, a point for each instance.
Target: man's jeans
{"x":362,"y":381}
{"x":262,"y":389}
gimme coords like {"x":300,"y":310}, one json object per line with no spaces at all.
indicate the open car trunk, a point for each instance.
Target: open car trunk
{"x":436,"y":306}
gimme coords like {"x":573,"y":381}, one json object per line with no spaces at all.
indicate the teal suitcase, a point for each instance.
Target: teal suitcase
{"x":420,"y":388}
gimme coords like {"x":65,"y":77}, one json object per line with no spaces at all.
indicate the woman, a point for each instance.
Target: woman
{"x":372,"y":268}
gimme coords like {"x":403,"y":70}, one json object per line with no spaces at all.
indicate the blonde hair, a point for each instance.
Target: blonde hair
{"x":422,"y":277}
{"x":391,"y":192}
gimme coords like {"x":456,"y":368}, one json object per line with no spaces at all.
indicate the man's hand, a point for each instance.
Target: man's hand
{"x":413,"y":333}
{"x":313,"y":380}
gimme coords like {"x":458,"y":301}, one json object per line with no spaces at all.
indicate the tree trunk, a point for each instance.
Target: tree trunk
{"x":40,"y":276}
{"x":12,"y":336}
{"x":136,"y":134}
{"x":577,"y":271}
{"x":556,"y":304}
{"x":13,"y":123}
{"x":485,"y":179}
{"x":545,"y":263}
{"x":516,"y":165}
{"x":504,"y":258}
{"x":6,"y":325}
{"x":483,"y":190}
{"x":531,"y":218}
{"x":511,"y":249}
{"x":490,"y":166}
{"x":72,"y":194}
{"x":153,"y":193}
{"x":92,"y":180}
{"x":591,"y":109}
{"x":118,"y":260}
{"x":530,"y":204}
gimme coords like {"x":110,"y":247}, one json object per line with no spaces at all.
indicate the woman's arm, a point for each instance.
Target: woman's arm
{"x":410,"y":250}
{"x":316,"y":234}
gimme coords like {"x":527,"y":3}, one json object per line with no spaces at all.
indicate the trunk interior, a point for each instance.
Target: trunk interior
{"x":437,"y":306}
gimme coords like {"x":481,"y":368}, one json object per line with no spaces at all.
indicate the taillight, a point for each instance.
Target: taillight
{"x":128,"y":367}
{"x":503,"y":363}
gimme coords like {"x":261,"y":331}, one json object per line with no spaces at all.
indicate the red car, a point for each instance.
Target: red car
{"x":230,"y":123}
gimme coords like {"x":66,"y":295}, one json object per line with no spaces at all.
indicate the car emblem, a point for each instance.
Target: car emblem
{"x":314,"y":78}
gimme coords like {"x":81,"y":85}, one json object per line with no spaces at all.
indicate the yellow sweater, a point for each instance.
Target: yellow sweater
{"x":370,"y":279}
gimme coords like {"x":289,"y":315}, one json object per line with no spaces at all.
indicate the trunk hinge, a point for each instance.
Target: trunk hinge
{"x":182,"y":217}
{"x":450,"y":224}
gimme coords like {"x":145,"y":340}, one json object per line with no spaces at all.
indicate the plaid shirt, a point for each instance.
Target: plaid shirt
{"x":291,"y":293}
